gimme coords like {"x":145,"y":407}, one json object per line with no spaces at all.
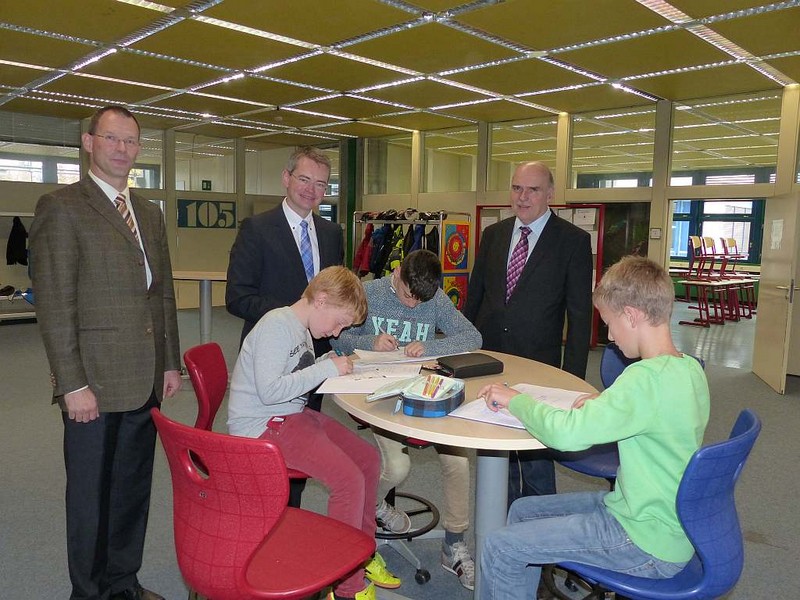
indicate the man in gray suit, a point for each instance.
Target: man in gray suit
{"x":267,"y":269}
{"x":106,"y":309}
{"x":532,"y":271}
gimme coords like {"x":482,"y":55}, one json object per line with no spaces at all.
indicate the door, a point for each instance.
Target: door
{"x":776,"y":291}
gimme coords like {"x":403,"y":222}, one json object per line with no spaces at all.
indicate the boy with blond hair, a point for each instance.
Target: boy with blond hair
{"x":656,"y":411}
{"x":273,"y":376}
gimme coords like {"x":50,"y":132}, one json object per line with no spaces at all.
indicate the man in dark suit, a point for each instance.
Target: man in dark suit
{"x":106,"y":310}
{"x":267,"y":268}
{"x":531,"y":271}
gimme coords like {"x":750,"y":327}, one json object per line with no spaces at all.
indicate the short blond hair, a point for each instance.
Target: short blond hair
{"x":640,"y":283}
{"x":343,"y":289}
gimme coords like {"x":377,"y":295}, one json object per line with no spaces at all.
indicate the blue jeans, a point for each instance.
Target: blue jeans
{"x":543,"y":530}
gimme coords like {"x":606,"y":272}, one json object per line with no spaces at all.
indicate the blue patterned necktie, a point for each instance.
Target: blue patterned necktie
{"x":517,"y":263}
{"x":305,"y":250}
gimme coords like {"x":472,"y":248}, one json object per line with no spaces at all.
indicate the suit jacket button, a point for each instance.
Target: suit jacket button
{"x":149,"y":331}
{"x":141,"y":262}
{"x":505,"y":329}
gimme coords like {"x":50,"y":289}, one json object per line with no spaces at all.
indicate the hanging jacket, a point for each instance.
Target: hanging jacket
{"x":364,"y":251}
{"x":17,"y":248}
{"x":432,"y":240}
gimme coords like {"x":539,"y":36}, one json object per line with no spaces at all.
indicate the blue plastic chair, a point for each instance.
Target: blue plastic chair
{"x":707,"y":511}
{"x":601,"y":460}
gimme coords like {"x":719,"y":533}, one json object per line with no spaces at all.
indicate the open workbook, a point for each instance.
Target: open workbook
{"x":478,"y":411}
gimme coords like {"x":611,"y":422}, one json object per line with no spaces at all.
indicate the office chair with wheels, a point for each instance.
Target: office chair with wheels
{"x":235,"y":538}
{"x":414,"y":506}
{"x":706,"y":508}
{"x":209,"y":376}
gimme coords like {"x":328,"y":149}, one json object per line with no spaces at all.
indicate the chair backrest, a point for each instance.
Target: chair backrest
{"x":228,"y":493}
{"x":730,"y":245}
{"x":707,"y":510}
{"x":613,"y":363}
{"x":697,"y":258}
{"x":209,"y":375}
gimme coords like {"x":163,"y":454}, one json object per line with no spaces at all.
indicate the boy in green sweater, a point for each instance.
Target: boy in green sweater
{"x":656,"y":411}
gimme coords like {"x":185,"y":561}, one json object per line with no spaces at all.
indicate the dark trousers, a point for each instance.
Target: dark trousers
{"x":109,"y":464}
{"x":530,"y":473}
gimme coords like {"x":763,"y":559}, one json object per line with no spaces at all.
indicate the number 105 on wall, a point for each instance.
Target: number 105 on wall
{"x":206,"y":214}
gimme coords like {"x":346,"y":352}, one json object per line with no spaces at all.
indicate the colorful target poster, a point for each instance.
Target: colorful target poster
{"x":455,"y":286}
{"x":455,"y":247}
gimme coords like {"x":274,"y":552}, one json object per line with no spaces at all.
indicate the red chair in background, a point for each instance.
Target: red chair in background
{"x":235,"y":538}
{"x":209,"y":375}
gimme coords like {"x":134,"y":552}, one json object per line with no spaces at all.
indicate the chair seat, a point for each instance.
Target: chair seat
{"x":295,"y":474}
{"x":304,"y":553}
{"x":686,"y":585}
{"x":598,"y":461}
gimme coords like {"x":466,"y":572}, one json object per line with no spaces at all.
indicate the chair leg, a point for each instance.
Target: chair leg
{"x":552,"y":574}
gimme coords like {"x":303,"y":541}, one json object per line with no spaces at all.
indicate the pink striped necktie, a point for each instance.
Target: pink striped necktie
{"x":122,"y":207}
{"x":517,"y":263}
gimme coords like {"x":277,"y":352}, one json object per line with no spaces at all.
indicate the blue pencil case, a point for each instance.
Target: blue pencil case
{"x":425,"y":395}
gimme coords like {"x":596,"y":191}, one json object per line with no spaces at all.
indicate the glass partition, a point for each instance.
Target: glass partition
{"x":204,"y":163}
{"x":514,"y":142}
{"x":450,"y":163}
{"x":613,"y":148}
{"x":148,"y":172}
{"x":732,"y":140}
{"x":387,"y":165}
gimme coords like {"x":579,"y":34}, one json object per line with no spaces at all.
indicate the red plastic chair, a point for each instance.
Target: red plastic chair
{"x":209,"y":375}
{"x":235,"y":538}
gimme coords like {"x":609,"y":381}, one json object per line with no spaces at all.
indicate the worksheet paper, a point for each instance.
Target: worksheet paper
{"x":365,"y":379}
{"x":371,"y":357}
{"x":478,"y":411}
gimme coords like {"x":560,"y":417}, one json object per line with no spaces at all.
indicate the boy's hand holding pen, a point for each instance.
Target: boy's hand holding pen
{"x":342,"y":362}
{"x":385,"y":342}
{"x":497,"y":396}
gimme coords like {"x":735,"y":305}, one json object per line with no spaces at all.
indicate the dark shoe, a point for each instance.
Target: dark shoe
{"x":136,"y":592}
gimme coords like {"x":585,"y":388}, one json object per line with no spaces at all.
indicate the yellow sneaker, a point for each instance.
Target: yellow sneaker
{"x":368,"y":593}
{"x":376,"y":571}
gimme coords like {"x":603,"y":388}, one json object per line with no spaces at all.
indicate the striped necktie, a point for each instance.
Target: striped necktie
{"x":122,"y":207}
{"x":305,"y":250}
{"x":517,"y":263}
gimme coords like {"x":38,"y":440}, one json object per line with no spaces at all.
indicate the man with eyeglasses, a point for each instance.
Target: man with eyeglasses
{"x":533,"y":271}
{"x":276,"y":253}
{"x":106,"y":310}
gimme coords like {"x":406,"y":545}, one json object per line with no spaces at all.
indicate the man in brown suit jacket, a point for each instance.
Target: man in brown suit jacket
{"x":106,"y":308}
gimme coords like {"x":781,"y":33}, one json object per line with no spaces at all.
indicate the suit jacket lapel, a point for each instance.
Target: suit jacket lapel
{"x":285,"y":241}
{"x":100,"y":202}
{"x":324,"y":259}
{"x":543,"y":245}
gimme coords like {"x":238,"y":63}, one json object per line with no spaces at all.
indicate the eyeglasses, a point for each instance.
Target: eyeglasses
{"x":114,"y":140}
{"x":320,"y":186}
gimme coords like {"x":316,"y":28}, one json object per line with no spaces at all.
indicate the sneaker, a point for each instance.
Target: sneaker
{"x":368,"y":593}
{"x":376,"y":571}
{"x":392,"y":519}
{"x":457,"y":560}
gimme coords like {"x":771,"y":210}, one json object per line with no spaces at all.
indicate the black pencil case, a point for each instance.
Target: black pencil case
{"x":472,"y":364}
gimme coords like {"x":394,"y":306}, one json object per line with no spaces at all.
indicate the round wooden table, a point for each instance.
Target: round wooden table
{"x":493,"y":442}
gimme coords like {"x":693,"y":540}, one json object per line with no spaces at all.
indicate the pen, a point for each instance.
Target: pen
{"x":495,"y":404}
{"x":396,"y":343}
